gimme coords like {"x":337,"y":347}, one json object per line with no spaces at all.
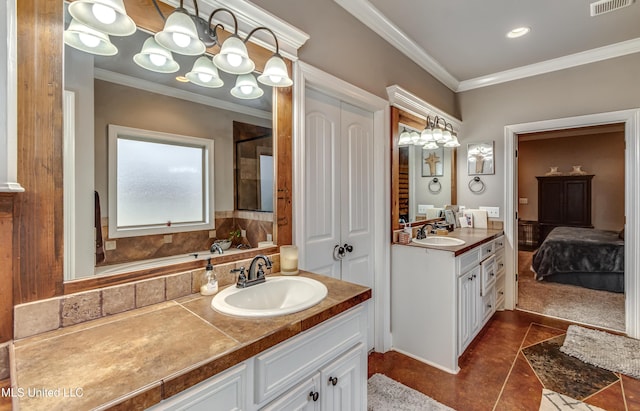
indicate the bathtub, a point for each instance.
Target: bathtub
{"x":165,"y":261}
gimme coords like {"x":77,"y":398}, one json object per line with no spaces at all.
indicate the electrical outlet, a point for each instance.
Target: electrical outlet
{"x":492,"y":212}
{"x":168,"y":239}
{"x":269,"y":237}
{"x":110,"y":245}
{"x":212,"y":233}
{"x":243,"y":233}
{"x":422,"y":208}
{"x":523,"y":201}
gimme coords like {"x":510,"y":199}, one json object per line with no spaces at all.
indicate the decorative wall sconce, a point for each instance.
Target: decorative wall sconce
{"x":437,"y":132}
{"x":183,"y":33}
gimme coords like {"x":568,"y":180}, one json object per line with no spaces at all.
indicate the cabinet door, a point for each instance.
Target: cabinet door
{"x":577,"y":204}
{"x":469,"y":315}
{"x":304,"y":397}
{"x":550,"y":201}
{"x":344,"y":382}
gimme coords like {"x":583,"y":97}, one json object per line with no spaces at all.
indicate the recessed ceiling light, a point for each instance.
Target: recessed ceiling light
{"x":182,"y":79}
{"x":518,"y":32}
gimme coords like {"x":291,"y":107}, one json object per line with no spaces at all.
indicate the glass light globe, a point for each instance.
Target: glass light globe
{"x":89,"y":40}
{"x":181,"y":39}
{"x":103,"y":14}
{"x":157,"y":59}
{"x":234,"y":59}
{"x":205,"y":77}
{"x":246,"y":90}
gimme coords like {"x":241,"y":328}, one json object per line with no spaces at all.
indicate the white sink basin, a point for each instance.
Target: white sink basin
{"x":276,"y":296}
{"x":439,"y":241}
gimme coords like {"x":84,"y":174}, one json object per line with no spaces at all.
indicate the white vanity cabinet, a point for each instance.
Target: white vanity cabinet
{"x":322,"y":369}
{"x":500,"y":271}
{"x":439,"y":301}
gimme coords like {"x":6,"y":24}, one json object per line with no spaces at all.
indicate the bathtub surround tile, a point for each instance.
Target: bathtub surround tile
{"x":81,"y":307}
{"x":36,"y":317}
{"x":118,"y":299}
{"x":150,"y":292}
{"x":4,"y":361}
{"x":178,"y":285}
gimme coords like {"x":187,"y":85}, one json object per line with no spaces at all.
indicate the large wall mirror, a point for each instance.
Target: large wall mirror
{"x":423,"y":181}
{"x":167,"y":111}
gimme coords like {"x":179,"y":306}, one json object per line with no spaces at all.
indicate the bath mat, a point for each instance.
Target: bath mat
{"x":385,"y":394}
{"x":552,"y":401}
{"x":615,"y":353}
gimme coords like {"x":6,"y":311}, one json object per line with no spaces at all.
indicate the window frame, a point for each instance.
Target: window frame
{"x":207,"y":145}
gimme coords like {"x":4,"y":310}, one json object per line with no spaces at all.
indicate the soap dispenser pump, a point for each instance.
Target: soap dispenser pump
{"x":210,"y":287}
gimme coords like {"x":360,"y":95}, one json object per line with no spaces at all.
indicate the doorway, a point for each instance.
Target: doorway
{"x":631,"y":120}
{"x":549,"y":160}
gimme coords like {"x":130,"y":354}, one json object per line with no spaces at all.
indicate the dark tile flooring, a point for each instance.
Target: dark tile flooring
{"x":506,"y":367}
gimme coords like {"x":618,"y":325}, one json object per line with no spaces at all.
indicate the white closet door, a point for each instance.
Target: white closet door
{"x":321,"y":189}
{"x":356,"y":179}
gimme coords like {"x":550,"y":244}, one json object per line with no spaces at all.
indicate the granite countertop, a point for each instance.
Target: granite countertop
{"x":473,"y":237}
{"x":136,"y":359}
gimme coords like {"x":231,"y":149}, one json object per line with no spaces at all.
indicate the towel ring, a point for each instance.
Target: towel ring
{"x":437,"y":186}
{"x":476,"y":185}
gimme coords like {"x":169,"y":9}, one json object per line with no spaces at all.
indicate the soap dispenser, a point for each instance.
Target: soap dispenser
{"x":210,"y":287}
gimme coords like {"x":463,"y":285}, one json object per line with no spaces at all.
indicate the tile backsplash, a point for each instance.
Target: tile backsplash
{"x":46,"y":315}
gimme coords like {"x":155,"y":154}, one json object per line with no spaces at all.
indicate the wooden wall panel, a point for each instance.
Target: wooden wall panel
{"x":6,"y":266}
{"x":283,"y":132}
{"x":38,"y":272}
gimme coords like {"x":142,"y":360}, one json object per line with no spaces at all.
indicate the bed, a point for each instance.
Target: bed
{"x":581,"y":256}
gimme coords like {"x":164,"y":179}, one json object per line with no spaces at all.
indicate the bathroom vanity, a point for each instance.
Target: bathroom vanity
{"x":182,"y":354}
{"x":442,"y":296}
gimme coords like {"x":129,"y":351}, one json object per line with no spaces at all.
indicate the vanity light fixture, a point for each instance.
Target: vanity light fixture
{"x":155,"y":58}
{"x":107,"y":16}
{"x":85,"y":38}
{"x":436,"y":132}
{"x":204,"y":73}
{"x":246,"y":87}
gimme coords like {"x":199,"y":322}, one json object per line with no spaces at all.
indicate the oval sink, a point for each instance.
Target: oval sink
{"x":439,"y":241}
{"x":276,"y":296}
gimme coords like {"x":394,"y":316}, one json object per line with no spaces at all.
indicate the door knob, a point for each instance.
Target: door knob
{"x":348,"y":247}
{"x":338,"y":252}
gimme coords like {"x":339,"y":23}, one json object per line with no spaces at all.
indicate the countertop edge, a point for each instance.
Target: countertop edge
{"x":461,"y":249}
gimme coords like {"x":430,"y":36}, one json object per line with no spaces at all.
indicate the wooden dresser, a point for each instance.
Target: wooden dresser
{"x":563,"y":201}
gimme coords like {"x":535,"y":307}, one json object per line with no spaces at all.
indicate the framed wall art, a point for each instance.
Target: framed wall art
{"x":480,"y":158}
{"x":432,"y":162}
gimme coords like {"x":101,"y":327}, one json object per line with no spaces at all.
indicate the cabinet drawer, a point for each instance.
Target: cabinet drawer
{"x":498,"y":244}
{"x":486,"y":250}
{"x":468,"y":260}
{"x":488,"y":305}
{"x":488,"y":275}
{"x":284,"y":365}
{"x":499,"y":263}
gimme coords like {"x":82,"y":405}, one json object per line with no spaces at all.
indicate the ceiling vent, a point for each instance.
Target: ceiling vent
{"x":605,"y":6}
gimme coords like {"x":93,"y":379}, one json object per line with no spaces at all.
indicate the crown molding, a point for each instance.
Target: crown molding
{"x":560,"y":63}
{"x":364,"y":11}
{"x":406,"y":101}
{"x":250,"y":16}
{"x":376,"y":21}
{"x":150,"y":86}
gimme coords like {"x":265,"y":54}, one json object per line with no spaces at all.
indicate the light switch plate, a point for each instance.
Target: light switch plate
{"x":110,"y":245}
{"x":168,"y":239}
{"x":243,"y":233}
{"x":492,"y":212}
{"x":212,"y":233}
{"x":422,"y":208}
{"x":523,"y":201}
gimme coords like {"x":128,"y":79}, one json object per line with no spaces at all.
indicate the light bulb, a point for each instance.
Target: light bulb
{"x":246,"y":90}
{"x":204,"y":77}
{"x":275,"y":79}
{"x":89,"y":40}
{"x":157,"y":59}
{"x":104,"y":14}
{"x":181,"y":39}
{"x":234,"y":59}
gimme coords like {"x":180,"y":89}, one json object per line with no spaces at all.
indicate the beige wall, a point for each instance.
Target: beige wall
{"x":344,"y":47}
{"x":605,"y":86}
{"x":601,"y":155}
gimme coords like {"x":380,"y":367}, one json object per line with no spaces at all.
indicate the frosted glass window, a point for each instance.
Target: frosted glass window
{"x":161,"y":183}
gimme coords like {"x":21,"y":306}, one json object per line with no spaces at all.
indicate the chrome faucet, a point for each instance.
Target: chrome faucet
{"x":255,"y":275}
{"x":216,"y":247}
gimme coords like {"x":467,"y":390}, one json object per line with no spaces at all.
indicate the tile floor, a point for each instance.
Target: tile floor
{"x":506,"y":367}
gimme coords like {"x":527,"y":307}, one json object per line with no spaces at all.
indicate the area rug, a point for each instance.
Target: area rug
{"x":552,"y":401}
{"x":385,"y":394}
{"x":577,"y":304}
{"x":615,"y":353}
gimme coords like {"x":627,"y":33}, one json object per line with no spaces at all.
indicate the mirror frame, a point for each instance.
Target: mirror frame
{"x":39,"y":223}
{"x":399,"y":116}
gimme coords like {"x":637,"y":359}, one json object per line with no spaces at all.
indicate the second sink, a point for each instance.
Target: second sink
{"x":439,"y":241}
{"x":276,"y":296}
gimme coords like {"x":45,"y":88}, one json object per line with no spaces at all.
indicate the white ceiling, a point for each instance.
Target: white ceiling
{"x":463,"y":43}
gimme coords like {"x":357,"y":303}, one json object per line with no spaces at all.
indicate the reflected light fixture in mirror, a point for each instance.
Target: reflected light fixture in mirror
{"x":183,"y":33}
